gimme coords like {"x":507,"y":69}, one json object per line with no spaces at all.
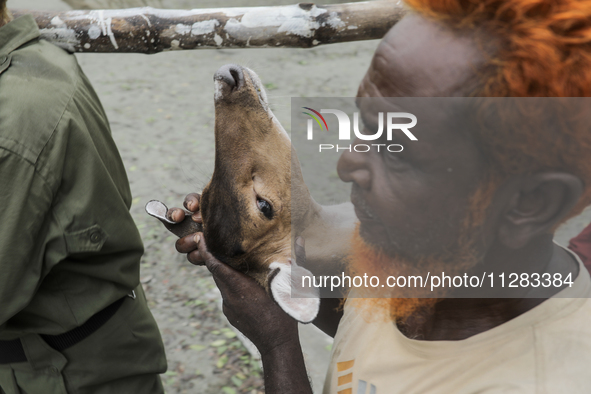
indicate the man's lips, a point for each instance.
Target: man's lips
{"x":362,"y":215}
{"x":362,"y":211}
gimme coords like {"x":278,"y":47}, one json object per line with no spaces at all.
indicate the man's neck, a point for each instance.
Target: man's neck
{"x":461,"y":318}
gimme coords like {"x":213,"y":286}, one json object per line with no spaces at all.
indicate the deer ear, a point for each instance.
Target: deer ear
{"x":285,"y":280}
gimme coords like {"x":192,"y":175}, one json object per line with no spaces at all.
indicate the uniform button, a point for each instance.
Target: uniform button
{"x":53,"y":371}
{"x":3,"y":59}
{"x":95,"y":237}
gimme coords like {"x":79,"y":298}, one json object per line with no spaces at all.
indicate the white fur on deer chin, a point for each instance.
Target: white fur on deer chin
{"x":283,"y":283}
{"x":258,"y":85}
{"x":218,"y":91}
{"x":263,"y":99}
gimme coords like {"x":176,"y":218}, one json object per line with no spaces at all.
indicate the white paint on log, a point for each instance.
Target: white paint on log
{"x":334,"y":21}
{"x":204,"y":27}
{"x":56,"y":21}
{"x":182,"y":29}
{"x":147,"y":20}
{"x":291,"y":25}
{"x":108,"y":23}
{"x":299,"y":27}
{"x":175,"y":45}
{"x":94,"y":32}
{"x":288,"y":19}
{"x":103,"y":21}
{"x":277,"y":16}
{"x":161,"y":13}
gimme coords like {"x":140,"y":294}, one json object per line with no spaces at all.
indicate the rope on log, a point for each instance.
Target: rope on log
{"x":150,"y":30}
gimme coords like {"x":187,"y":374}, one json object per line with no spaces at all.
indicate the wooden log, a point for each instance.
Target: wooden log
{"x":150,"y":30}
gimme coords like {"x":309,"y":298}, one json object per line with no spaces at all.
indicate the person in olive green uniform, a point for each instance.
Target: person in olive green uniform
{"x":73,"y":316}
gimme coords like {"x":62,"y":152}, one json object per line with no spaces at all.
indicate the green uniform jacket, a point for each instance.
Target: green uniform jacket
{"x":68,"y":244}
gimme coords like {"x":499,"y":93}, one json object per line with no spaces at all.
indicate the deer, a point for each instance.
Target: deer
{"x":257,"y":202}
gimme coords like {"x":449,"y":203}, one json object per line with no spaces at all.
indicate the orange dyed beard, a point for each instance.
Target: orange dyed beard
{"x":400,"y":303}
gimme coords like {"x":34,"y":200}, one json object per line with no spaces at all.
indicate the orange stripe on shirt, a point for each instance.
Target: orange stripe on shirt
{"x":345,"y":379}
{"x":344,"y":365}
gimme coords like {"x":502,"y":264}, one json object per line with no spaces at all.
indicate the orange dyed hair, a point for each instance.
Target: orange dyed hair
{"x":543,"y":49}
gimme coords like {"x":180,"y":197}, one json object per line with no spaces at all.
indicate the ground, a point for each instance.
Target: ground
{"x":161,"y":113}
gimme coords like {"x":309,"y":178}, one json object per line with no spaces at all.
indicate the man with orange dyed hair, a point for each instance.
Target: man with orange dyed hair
{"x":463,"y":198}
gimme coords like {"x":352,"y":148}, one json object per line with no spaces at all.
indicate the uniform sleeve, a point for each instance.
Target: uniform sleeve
{"x":25,"y":212}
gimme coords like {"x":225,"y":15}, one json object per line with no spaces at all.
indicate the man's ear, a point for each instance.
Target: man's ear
{"x":536,"y":204}
{"x":285,"y":284}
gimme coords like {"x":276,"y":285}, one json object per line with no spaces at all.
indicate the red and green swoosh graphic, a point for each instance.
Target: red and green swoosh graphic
{"x":316,"y":117}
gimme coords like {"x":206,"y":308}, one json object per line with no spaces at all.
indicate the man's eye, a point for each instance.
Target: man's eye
{"x":265,"y":208}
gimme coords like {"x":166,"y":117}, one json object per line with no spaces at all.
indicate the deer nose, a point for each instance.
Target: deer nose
{"x":231,"y":74}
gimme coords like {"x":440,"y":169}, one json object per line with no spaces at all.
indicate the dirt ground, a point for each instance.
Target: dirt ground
{"x":161,"y":113}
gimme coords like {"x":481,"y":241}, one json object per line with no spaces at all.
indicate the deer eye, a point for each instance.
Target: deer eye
{"x":265,"y":208}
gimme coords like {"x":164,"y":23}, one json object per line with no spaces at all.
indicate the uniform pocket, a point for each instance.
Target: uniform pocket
{"x":42,"y":373}
{"x":90,"y":239}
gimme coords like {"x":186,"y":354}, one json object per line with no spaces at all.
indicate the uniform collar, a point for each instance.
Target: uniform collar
{"x":17,"y":33}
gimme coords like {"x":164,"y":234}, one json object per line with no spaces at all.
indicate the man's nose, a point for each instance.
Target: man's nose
{"x":354,"y":167}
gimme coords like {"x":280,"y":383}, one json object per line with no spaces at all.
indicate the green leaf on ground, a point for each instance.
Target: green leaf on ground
{"x":222,"y":349}
{"x":222,"y":361}
{"x":237,"y":382}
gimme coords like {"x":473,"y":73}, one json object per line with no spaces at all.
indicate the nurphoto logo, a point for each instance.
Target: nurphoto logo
{"x":344,"y":130}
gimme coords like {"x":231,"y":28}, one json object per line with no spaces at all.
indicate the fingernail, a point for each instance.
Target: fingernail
{"x":300,"y":241}
{"x":197,"y":238}
{"x":188,"y":203}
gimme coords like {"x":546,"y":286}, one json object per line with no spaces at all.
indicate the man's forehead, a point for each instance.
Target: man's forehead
{"x":421,"y":57}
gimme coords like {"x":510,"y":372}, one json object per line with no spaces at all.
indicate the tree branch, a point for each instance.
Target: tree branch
{"x":150,"y":30}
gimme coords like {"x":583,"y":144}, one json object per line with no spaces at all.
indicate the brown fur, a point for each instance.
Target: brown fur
{"x":252,"y":161}
{"x":254,"y":158}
